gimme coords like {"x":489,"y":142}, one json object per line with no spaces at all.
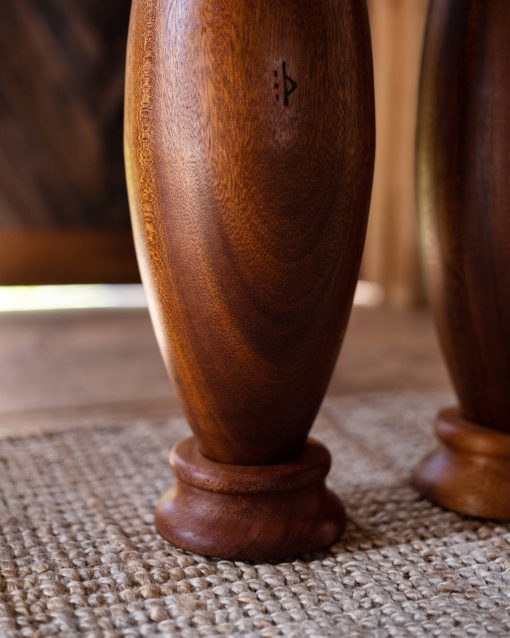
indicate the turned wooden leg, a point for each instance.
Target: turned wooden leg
{"x":249,"y":150}
{"x":463,"y":168}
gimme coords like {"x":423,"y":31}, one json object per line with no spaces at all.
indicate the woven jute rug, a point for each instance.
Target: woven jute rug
{"x":80,"y":557}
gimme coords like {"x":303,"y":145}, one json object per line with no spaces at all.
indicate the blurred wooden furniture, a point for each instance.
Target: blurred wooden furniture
{"x":63,"y":206}
{"x":463,"y":167}
{"x":391,"y":256}
{"x":63,"y":210}
{"x":249,"y":152}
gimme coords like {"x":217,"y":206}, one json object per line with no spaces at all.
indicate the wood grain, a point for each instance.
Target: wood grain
{"x":250,"y":512}
{"x":249,"y":152}
{"x":463,"y":162}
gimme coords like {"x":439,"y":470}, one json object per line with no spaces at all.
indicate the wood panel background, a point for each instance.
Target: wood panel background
{"x":63,"y":206}
{"x":391,"y":256}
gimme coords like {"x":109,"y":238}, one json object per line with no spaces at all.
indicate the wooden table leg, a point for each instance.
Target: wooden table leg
{"x":463,"y":168}
{"x":249,"y":152}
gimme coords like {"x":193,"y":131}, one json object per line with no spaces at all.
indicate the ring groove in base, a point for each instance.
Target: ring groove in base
{"x":470,"y":471}
{"x":267,"y":512}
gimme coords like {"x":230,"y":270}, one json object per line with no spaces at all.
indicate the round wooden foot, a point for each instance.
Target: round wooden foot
{"x":264,"y":512}
{"x":470,"y":472}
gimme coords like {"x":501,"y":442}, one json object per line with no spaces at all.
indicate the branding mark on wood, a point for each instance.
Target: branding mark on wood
{"x":289,"y":85}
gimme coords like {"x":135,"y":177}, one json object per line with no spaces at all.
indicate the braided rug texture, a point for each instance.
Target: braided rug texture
{"x":79,"y":555}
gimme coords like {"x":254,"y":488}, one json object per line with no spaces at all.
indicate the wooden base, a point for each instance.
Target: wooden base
{"x":265,"y":512}
{"x":470,"y":472}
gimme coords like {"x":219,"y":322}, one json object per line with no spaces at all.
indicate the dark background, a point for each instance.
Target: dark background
{"x":63,"y":205}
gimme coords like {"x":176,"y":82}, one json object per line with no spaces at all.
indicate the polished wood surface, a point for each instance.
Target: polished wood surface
{"x":470,"y":471}
{"x":463,"y":162}
{"x":254,"y":512}
{"x":249,"y":152}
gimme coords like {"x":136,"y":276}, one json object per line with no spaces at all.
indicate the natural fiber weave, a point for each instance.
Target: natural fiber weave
{"x":79,"y":555}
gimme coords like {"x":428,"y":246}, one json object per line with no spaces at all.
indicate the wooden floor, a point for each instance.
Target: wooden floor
{"x":57,"y":364}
